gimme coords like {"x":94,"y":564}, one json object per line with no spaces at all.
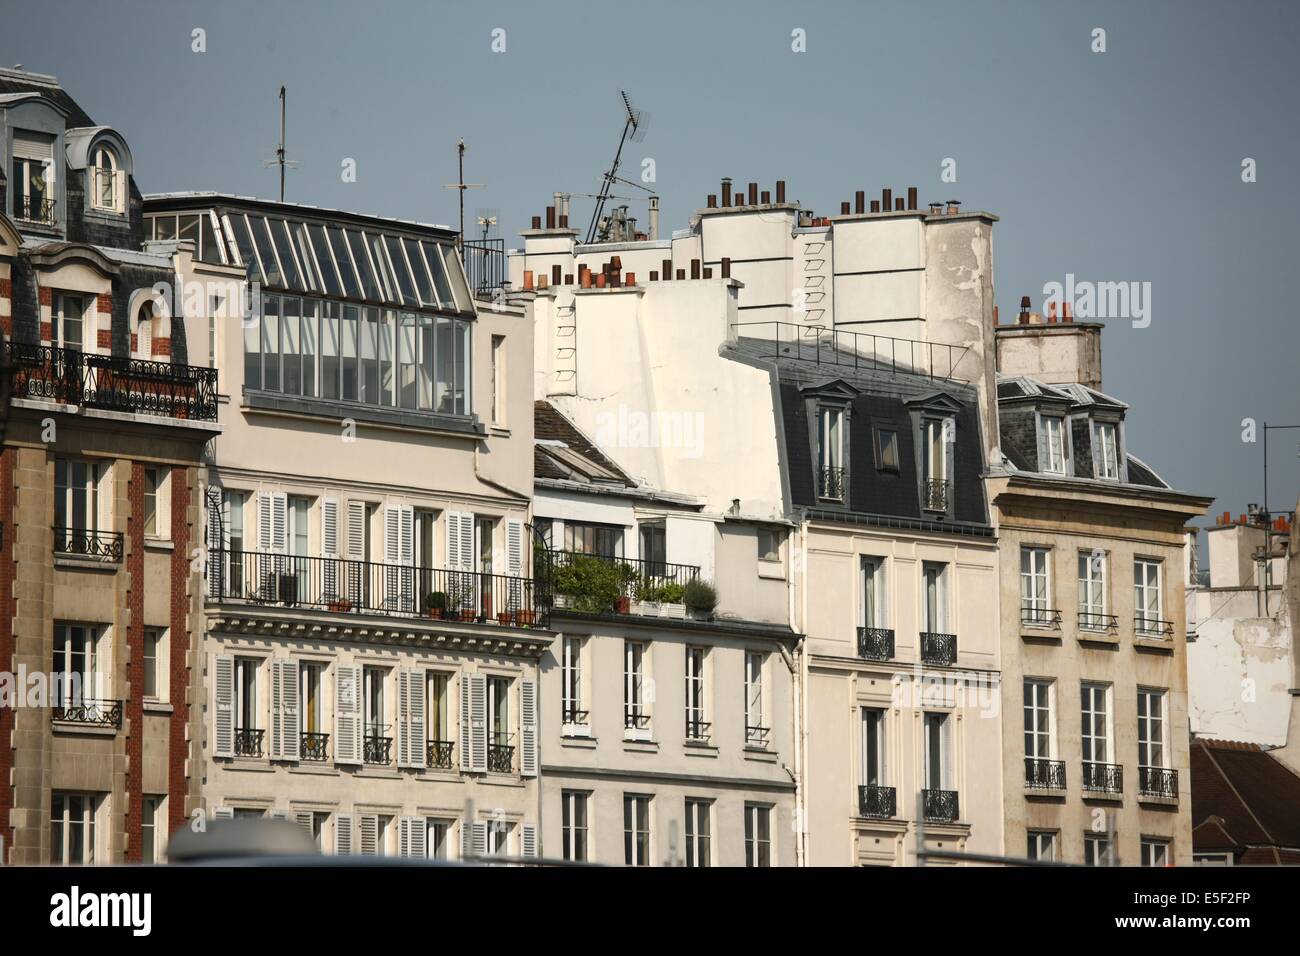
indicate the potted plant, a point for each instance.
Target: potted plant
{"x":524,"y":618}
{"x":623,"y":604}
{"x":435,"y":604}
{"x":503,"y":618}
{"x":700,"y":597}
{"x":339,"y":605}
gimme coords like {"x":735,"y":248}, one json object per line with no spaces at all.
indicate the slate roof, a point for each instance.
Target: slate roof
{"x":10,"y":84}
{"x":564,"y":453}
{"x":1244,"y":801}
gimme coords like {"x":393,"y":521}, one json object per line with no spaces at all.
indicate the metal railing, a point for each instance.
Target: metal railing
{"x":438,"y":755}
{"x":1040,"y":616}
{"x":112,"y":383}
{"x":938,"y":648}
{"x":832,"y":483}
{"x":940,"y":806}
{"x":642,"y":580}
{"x":635,"y":720}
{"x":878,"y":803}
{"x":248,"y":741}
{"x":501,"y":754}
{"x":697,"y":730}
{"x":876,"y":643}
{"x":1152,"y":627}
{"x":34,"y":209}
{"x":1043,"y":774}
{"x":485,"y":264}
{"x":1090,"y":621}
{"x":936,"y":494}
{"x":757,"y":736}
{"x":1158,"y":782}
{"x":86,"y":543}
{"x":377,"y":744}
{"x":572,"y":715}
{"x":858,"y":350}
{"x":95,"y":713}
{"x":1103,"y":777}
{"x":313,"y":746}
{"x":344,"y":585}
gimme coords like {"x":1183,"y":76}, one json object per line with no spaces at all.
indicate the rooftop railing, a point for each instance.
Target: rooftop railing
{"x":485,"y":264}
{"x":858,"y":350}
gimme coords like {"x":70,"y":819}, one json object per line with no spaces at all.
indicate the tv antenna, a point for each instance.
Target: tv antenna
{"x":462,"y":186}
{"x":280,"y":156}
{"x":634,"y":127}
{"x":487,"y":221}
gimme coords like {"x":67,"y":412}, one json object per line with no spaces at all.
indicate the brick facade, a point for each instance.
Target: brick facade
{"x":7,"y":570}
{"x":179,"y":650}
{"x":133,"y":726}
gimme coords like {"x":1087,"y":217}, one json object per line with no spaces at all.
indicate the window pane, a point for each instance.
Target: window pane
{"x":420,"y":271}
{"x":444,"y":383}
{"x":265,"y":251}
{"x":351,"y":330}
{"x":343,"y":259}
{"x":290,"y":338}
{"x":462,"y":403}
{"x":405,"y":285}
{"x":237,"y":226}
{"x":365,"y":271}
{"x":288,"y":264}
{"x":329,"y":349}
{"x":309,"y":343}
{"x":426,"y":361}
{"x":370,"y":356}
{"x":406,"y":360}
{"x":387,"y":333}
{"x":464,"y":302}
{"x":324,"y":259}
{"x":442,"y":286}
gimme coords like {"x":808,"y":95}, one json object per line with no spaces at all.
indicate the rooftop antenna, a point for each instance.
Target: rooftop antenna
{"x":487,"y":221}
{"x":462,"y":186}
{"x":634,"y":126}
{"x":280,"y":158}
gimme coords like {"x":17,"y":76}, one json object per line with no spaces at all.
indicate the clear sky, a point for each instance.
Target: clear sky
{"x":1117,"y":166}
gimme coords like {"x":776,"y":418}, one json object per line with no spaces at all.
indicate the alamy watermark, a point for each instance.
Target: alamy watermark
{"x":1101,"y":300}
{"x":633,"y":428}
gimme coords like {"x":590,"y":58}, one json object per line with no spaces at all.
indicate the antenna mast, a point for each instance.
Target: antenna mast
{"x":281,"y":159}
{"x":632,"y":127}
{"x":461,"y":185}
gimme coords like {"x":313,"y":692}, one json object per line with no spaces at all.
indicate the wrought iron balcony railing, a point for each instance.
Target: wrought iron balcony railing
{"x":879,"y":803}
{"x":95,"y":713}
{"x":635,"y":720}
{"x":342,"y":585}
{"x":641,"y":580}
{"x":1040,"y":616}
{"x":697,"y":730}
{"x":939,"y":806}
{"x":501,"y":754}
{"x":936,"y":494}
{"x":1152,"y":628}
{"x":832,"y":483}
{"x":438,"y":755}
{"x":85,"y":543}
{"x":313,"y":746}
{"x":377,"y":744}
{"x":1158,"y":782}
{"x":1103,"y":777}
{"x":34,"y":209}
{"x":485,"y":264}
{"x":757,"y":736}
{"x":1043,"y":774}
{"x":248,"y":741}
{"x":1091,"y":621}
{"x":876,"y":643}
{"x":938,"y":648}
{"x":112,"y":383}
{"x":572,"y":715}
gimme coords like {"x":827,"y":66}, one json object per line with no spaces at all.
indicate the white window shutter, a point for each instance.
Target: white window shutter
{"x":343,"y":836}
{"x":392,"y":549}
{"x":265,"y":533}
{"x":473,"y":838}
{"x":217,"y":564}
{"x":478,"y":722}
{"x":290,"y":740}
{"x":528,"y":841}
{"x":946,"y":744}
{"x":404,"y":837}
{"x":460,"y":541}
{"x":515,"y":564}
{"x":347,"y":714}
{"x":412,"y":837}
{"x":369,"y":834}
{"x":223,"y":813}
{"x":223,"y":711}
{"x":306,"y":819}
{"x":413,"y":729}
{"x":466,"y":725}
{"x":276,"y":747}
{"x":528,"y":728}
{"x":279,"y":522}
{"x":329,"y":547}
{"x":403,"y":711}
{"x":356,"y":551}
{"x":406,"y":556}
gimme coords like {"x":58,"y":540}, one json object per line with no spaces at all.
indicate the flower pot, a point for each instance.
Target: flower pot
{"x":435,"y":613}
{"x":503,"y":618}
{"x":339,"y":607}
{"x":675,"y":611}
{"x":623,"y":605}
{"x":524,"y":618}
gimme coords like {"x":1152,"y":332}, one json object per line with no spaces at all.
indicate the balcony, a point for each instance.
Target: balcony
{"x":1152,"y":628}
{"x":939,"y":806}
{"x":1103,"y":778}
{"x":345,"y":586}
{"x":600,"y":583}
{"x":313,"y":746}
{"x":438,"y":755}
{"x":757,"y":737}
{"x":111,"y":383}
{"x":936,"y":494}
{"x":485,"y":264}
{"x":938,"y":648}
{"x":1044,"y":774}
{"x":92,"y":713}
{"x":501,"y":754}
{"x":105,"y":546}
{"x":832,"y":483}
{"x":1032,"y":616}
{"x":1090,"y":621}
{"x":698,"y":731}
{"x":248,"y":741}
{"x":876,"y":643}
{"x":377,"y":745}
{"x":1158,"y":782}
{"x":877,"y":803}
{"x":34,"y":209}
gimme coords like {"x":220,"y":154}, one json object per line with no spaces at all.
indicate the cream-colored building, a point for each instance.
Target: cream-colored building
{"x":371,"y":657}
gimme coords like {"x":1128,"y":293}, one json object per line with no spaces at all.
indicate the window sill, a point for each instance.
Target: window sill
{"x":156,"y":705}
{"x":774,"y":570}
{"x":1041,"y":637}
{"x":1045,"y":793}
{"x":72,"y":727}
{"x":249,"y":764}
{"x":493,"y":779}
{"x":760,"y":754}
{"x":379,"y":773}
{"x":1098,"y":637}
{"x":699,"y":748}
{"x":1165,"y":645}
{"x":1103,"y":795}
{"x":580,"y":743}
{"x":315,"y":768}
{"x":640,"y":746}
{"x":73,"y":563}
{"x":576,"y":730}
{"x":155,"y":543}
{"x":1156,"y":800}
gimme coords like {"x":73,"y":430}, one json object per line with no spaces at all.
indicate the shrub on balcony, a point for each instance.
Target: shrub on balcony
{"x":592,"y":584}
{"x":670,"y":592}
{"x":700,"y":596}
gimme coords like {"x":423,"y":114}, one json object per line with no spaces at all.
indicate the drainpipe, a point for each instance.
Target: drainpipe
{"x":801,"y":689}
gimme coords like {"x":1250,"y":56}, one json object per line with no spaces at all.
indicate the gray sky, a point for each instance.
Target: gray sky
{"x":1115,"y":166}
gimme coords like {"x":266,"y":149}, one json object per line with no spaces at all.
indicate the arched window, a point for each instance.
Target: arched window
{"x":144,"y":329}
{"x":107,"y":187}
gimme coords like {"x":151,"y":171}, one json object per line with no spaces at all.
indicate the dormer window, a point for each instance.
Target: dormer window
{"x":886,"y":449}
{"x":935,"y":463}
{"x":33,"y":178}
{"x":106,"y":186}
{"x":1053,"y":445}
{"x":1106,"y":443}
{"x":831,"y":477}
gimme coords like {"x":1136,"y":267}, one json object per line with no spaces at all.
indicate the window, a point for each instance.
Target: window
{"x":938,"y":752}
{"x":697,"y":831}
{"x":935,"y":449}
{"x":76,"y":497}
{"x":1096,"y":850}
{"x":154,"y":647}
{"x":105,"y":187}
{"x":758,"y":835}
{"x":499,"y":379}
{"x":573,"y":714}
{"x":756,"y":729}
{"x":376,"y":712}
{"x":873,"y":747}
{"x":1106,"y":442}
{"x":246,"y":708}
{"x":233,"y":504}
{"x":654,"y":547}
{"x":1040,"y":723}
{"x":484,"y":532}
{"x":498,"y":838}
{"x":873,"y":593}
{"x":153,"y":828}
{"x":636,"y":717}
{"x":436,"y":835}
{"x":1035,"y":587}
{"x":311,"y":678}
{"x":830,"y":453}
{"x":152,"y":479}
{"x":1155,"y":852}
{"x":1041,"y":845}
{"x":72,"y":828}
{"x":500,"y":753}
{"x":696,"y":727}
{"x":437,"y":712}
{"x":636,"y":830}
{"x":1053,"y":444}
{"x":33,"y":178}
{"x":299,"y":511}
{"x":935,"y":584}
{"x":1095,"y":699}
{"x":1092,"y":589}
{"x":76,"y":664}
{"x":573,"y":825}
{"x":604,"y":540}
{"x":68,"y":315}
{"x":769,"y":544}
{"x":1152,"y":751}
{"x":886,"y":449}
{"x":1146,"y":595}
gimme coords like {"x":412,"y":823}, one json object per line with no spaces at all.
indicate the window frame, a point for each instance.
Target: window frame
{"x":1049,"y":466}
{"x":575,"y":825}
{"x":1035,"y":584}
{"x":758,"y":839}
{"x":1088,"y":714}
{"x":638,"y":829}
{"x":1041,"y":703}
{"x":1147,"y":722}
{"x":698,"y":831}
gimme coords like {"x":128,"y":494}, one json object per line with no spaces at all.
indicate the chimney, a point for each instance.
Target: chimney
{"x":780,"y":190}
{"x":753,"y":194}
{"x":584,"y":277}
{"x":936,"y":208}
{"x":631,"y":278}
{"x":557,"y":273}
{"x":564,"y":221}
{"x":667,"y":265}
{"x":726,"y":191}
{"x":541,"y":282}
{"x":899,"y":205}
{"x":654,"y":218}
{"x":995,"y":315}
{"x":844,"y":209}
{"x":695,"y":268}
{"x":537,"y":222}
{"x":953,"y":207}
{"x":765,"y":198}
{"x":726,"y":267}
{"x":568,"y":278}
{"x":713,"y":201}
{"x":550,"y":217}
{"x":875,"y":205}
{"x":1051,"y":312}
{"x":1023,"y":318}
{"x":654,"y":275}
{"x":528,"y":279}
{"x":911,"y":197}
{"x":886,"y":200}
{"x":1066,"y":316}
{"x":681,"y":275}
{"x":708,"y":273}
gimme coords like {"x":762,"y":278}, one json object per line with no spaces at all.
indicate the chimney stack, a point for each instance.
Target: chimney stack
{"x":1023,"y":318}
{"x":780,"y":190}
{"x":695,"y":268}
{"x":886,"y":200}
{"x":860,"y":202}
{"x":1066,"y":316}
{"x":557,"y":273}
{"x":953,"y":207}
{"x":726,"y":267}
{"x":667,"y":272}
{"x":726,"y":191}
{"x":537,"y":222}
{"x":753,"y":194}
{"x":899,"y":205}
{"x":654,"y":218}
{"x":713,"y":201}
{"x":875,"y":205}
{"x":844,"y":209}
{"x":911,"y":197}
{"x":765,"y":197}
{"x":528,"y":279}
{"x":550,"y":217}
